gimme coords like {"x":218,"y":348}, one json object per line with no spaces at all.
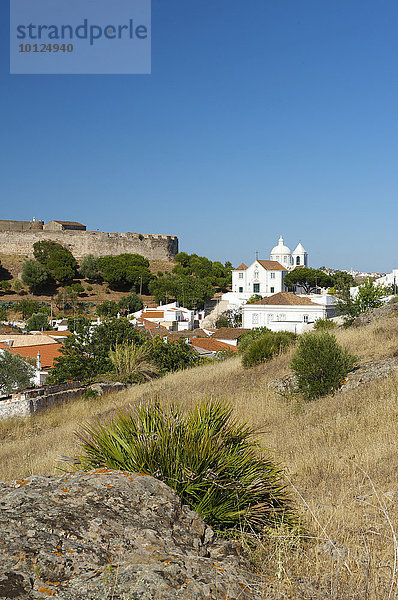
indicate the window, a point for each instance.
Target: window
{"x":256,"y":288}
{"x":272,"y":275}
{"x":240,"y":290}
{"x":285,"y":259}
{"x":255,"y":274}
{"x":272,"y":290}
{"x":240,"y":275}
{"x":297,"y":260}
{"x":270,"y":317}
{"x":305,"y":318}
{"x":281,"y":317}
{"x":255,"y":319}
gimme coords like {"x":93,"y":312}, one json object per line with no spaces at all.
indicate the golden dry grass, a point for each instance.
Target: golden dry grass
{"x":340,"y":454}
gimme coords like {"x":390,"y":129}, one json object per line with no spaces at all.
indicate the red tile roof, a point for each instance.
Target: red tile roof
{"x":271,"y":265}
{"x":229,"y":333}
{"x":48,"y":353}
{"x":153,"y":314}
{"x":211,"y":345}
{"x":285,"y":299}
{"x":241,"y":267}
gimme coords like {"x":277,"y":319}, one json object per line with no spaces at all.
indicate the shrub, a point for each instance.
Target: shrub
{"x":3,"y":314}
{"x":266,"y":346}
{"x":77,"y":287}
{"x":5,"y":285}
{"x":90,"y":394}
{"x":89,"y":288}
{"x":132,"y":363}
{"x":320,"y":364}
{"x":324,"y":324}
{"x":17,"y":285}
{"x":247,"y":338}
{"x":213,"y":463}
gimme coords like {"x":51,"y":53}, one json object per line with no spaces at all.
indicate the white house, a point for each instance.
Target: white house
{"x":171,"y":316}
{"x":285,"y":311}
{"x":389,"y":279}
{"x":265,"y":277}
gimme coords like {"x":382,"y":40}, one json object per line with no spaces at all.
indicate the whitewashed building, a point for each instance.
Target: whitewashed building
{"x":285,"y":311}
{"x":389,"y":279}
{"x":265,"y":277}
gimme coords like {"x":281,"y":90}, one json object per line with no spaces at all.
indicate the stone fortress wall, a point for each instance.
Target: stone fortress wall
{"x":18,"y":237}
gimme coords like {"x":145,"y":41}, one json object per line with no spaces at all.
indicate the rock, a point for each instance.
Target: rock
{"x":111,"y":534}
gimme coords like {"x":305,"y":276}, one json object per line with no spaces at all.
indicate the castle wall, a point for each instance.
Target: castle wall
{"x":20,"y":225}
{"x":81,"y":243}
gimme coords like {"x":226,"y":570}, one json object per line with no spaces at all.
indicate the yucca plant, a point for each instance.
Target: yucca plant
{"x":133,"y":363}
{"x":215,"y":464}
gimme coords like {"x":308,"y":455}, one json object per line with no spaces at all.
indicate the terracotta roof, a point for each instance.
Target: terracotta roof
{"x":229,"y":333}
{"x":57,"y":333}
{"x":153,"y":314}
{"x":271,"y":265}
{"x":153,"y":327}
{"x":285,"y":299}
{"x":211,"y":345}
{"x":187,"y":333}
{"x":48,"y":353}
{"x":241,"y":267}
{"x":28,"y":339}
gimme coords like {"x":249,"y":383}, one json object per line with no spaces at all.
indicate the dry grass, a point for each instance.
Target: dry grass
{"x":340,"y":453}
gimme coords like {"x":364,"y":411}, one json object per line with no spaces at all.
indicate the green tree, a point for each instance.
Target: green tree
{"x":201,"y":267}
{"x":37,"y":322}
{"x":85,"y":355}
{"x":109,"y":308}
{"x":308,"y":279}
{"x":58,"y":261}
{"x":89,"y":268}
{"x":342,"y":282}
{"x":126,"y":271}
{"x":187,"y":290}
{"x":369,"y":296}
{"x":34,"y":275}
{"x":27,"y":307}
{"x":130,"y":304}
{"x":320,"y":364}
{"x":15,"y":373}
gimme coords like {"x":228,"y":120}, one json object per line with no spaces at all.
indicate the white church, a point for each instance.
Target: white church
{"x":265,"y":277}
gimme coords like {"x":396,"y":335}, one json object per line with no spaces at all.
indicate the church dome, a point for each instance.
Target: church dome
{"x":280,"y":249}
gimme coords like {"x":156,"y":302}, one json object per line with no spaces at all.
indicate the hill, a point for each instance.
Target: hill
{"x":340,"y":452}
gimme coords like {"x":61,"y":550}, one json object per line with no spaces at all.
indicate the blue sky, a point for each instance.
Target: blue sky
{"x":260,"y":117}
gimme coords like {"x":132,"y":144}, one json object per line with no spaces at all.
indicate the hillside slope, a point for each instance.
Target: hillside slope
{"x":340,"y":453}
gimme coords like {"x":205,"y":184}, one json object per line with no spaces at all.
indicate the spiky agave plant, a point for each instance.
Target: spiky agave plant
{"x":133,"y":363}
{"x":213,"y":463}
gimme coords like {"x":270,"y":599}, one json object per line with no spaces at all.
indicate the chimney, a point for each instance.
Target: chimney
{"x":38,"y":361}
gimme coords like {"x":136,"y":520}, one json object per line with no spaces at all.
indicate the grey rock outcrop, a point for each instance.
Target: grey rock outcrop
{"x":111,"y":534}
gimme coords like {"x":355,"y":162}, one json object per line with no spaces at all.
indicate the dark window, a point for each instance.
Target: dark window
{"x":297,"y":260}
{"x":256,"y":288}
{"x":241,"y":289}
{"x":272,"y":290}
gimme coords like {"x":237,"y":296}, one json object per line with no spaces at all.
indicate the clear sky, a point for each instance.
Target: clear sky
{"x":260,"y":117}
